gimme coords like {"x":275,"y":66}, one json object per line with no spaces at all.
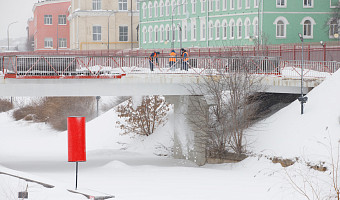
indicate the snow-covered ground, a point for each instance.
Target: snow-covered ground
{"x":127,"y":166}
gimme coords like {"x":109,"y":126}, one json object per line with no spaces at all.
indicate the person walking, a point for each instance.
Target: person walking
{"x":153,"y":59}
{"x":185,"y":59}
{"x":172,"y":59}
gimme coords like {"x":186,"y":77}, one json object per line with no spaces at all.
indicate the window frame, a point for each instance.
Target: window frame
{"x":217,"y":30}
{"x":96,"y":34}
{"x":122,"y":5}
{"x":48,"y":20}
{"x":281,"y":3}
{"x":306,"y":5}
{"x":96,"y":4}
{"x":48,"y":43}
{"x":62,"y":18}
{"x":62,"y":43}
{"x":123,"y":34}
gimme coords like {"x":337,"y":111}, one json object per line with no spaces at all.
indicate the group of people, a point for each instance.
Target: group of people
{"x":153,"y":59}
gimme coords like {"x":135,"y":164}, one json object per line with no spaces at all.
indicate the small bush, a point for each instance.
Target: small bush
{"x":5,"y":105}
{"x":55,"y":110}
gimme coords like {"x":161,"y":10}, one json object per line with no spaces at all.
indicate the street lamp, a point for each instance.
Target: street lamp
{"x":108,"y":31}
{"x":302,"y":99}
{"x":8,"y":33}
{"x":172,"y":25}
{"x":180,"y":34}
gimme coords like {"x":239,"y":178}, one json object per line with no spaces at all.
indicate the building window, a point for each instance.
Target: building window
{"x":138,"y":6}
{"x":256,"y":27}
{"x":232,"y":29}
{"x":247,"y":29}
{"x":96,"y":4}
{"x":280,"y":29}
{"x":217,"y":5}
{"x":173,"y":33}
{"x":62,"y":19}
{"x":185,"y":32}
{"x":123,"y":33}
{"x":156,"y":9}
{"x":256,"y":3}
{"x":48,"y":19}
{"x":281,"y":24}
{"x":62,"y":43}
{"x":281,"y":3}
{"x":224,"y":29}
{"x":185,"y":3}
{"x":173,"y":4}
{"x":167,"y":8}
{"x":232,"y":4}
{"x":203,"y":5}
{"x":122,"y":5}
{"x":193,"y":6}
{"x":307,"y":3}
{"x":150,"y":34}
{"x":210,"y":5}
{"x":307,"y":28}
{"x":144,"y":34}
{"x":156,"y":34}
{"x":48,"y":42}
{"x":193,"y":30}
{"x":161,"y":9}
{"x":239,"y":4}
{"x":247,"y":3}
{"x":210,"y":31}
{"x":224,"y":4}
{"x":150,"y":9}
{"x":239,"y":29}
{"x":179,"y":6}
{"x":217,"y":30}
{"x":203,"y":31}
{"x":97,"y":33}
{"x":333,"y":28}
{"x":144,"y":10}
{"x":161,"y":34}
{"x":167,"y":36}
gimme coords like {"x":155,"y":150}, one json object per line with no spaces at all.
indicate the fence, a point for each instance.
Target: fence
{"x":116,"y":66}
{"x":312,"y":52}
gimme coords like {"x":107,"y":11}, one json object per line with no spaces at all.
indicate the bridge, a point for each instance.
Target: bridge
{"x":131,"y":75}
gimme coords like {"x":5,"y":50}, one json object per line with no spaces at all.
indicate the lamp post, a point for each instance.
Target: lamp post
{"x":108,"y":31}
{"x":180,"y":34}
{"x":8,"y":33}
{"x":172,"y":25}
{"x":302,"y":99}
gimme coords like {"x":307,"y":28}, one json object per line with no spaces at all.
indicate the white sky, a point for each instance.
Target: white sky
{"x":12,"y":11}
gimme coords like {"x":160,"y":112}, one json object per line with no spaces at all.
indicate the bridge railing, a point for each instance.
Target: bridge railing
{"x":114,"y":66}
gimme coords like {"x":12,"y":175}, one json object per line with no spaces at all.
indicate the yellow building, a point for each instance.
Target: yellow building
{"x":103,"y":24}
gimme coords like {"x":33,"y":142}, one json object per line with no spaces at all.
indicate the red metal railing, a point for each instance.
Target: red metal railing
{"x":52,"y":67}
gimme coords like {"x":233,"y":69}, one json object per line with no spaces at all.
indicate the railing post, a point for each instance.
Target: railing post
{"x":294,"y":52}
{"x":280,"y":50}
{"x":308,"y":51}
{"x":324,"y":52}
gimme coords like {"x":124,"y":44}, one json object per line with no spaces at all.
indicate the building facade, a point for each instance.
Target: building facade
{"x":217,"y":23}
{"x":49,"y":28}
{"x":103,"y":24}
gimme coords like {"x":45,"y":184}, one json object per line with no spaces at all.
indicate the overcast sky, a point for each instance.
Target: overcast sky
{"x":12,"y":11}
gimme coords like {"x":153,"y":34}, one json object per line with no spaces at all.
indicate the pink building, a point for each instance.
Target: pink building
{"x":51,"y":30}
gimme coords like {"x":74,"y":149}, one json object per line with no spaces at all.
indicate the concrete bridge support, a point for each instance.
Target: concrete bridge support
{"x":189,"y":140}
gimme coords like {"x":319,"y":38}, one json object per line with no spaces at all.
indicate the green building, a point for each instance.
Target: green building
{"x":216,"y":23}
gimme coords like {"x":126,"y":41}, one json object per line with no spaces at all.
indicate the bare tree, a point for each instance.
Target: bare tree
{"x":145,"y":118}
{"x":233,"y":108}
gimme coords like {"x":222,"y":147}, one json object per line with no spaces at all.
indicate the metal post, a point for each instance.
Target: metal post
{"x":57,"y":35}
{"x":302,"y":99}
{"x":76,"y":175}
{"x":97,"y":98}
{"x":108,"y":31}
{"x":180,"y":35}
{"x":131,"y":25}
{"x":8,"y":33}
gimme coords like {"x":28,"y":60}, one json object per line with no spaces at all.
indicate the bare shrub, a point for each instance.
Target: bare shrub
{"x":233,"y":108}
{"x":145,"y":118}
{"x":5,"y":105}
{"x":55,"y":110}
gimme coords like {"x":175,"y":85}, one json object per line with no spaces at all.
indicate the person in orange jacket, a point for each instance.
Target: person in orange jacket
{"x":185,"y":59}
{"x":153,"y":59}
{"x":172,"y":59}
